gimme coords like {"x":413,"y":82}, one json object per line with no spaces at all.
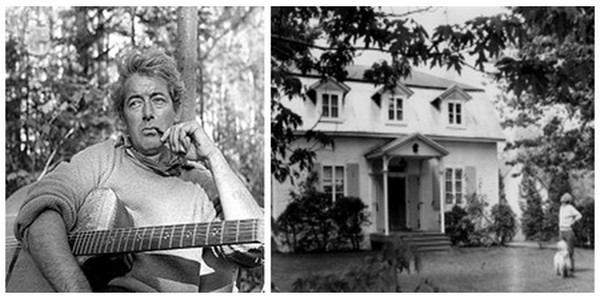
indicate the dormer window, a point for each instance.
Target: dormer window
{"x":330,"y":105}
{"x":328,"y":96}
{"x":393,"y":104}
{"x":396,"y":109}
{"x":455,"y":113}
{"x":451,"y":104}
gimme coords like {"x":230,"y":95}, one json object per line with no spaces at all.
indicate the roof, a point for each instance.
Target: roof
{"x":431,"y":148}
{"x":416,"y":79}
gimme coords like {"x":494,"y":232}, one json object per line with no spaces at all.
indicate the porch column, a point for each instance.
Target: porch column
{"x":442,"y":193}
{"x":386,"y":220}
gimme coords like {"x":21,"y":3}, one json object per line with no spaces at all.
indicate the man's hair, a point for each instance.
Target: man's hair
{"x":147,"y":62}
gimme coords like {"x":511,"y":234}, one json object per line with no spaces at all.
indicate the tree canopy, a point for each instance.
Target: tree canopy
{"x":60,"y":65}
{"x":543,"y":57}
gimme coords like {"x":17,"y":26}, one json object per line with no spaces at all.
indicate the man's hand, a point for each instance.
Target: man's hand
{"x":189,"y":139}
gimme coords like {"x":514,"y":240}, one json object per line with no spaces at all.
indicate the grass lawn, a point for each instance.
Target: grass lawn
{"x":496,"y":269}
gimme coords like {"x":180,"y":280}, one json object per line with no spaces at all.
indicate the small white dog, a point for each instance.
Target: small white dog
{"x":562,"y":262}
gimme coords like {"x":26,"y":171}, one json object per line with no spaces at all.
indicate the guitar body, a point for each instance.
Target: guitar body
{"x":102,"y":210}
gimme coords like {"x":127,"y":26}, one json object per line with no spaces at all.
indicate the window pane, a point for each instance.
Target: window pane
{"x":334,"y":112}
{"x":451,"y":113}
{"x":325,"y":105}
{"x":458,"y":119}
{"x":459,"y":198}
{"x":459,"y":174}
{"x":399,"y":115}
{"x":448,"y":198}
{"x":327,"y":174}
{"x":449,"y":187}
{"x":448,"y":174}
{"x":339,"y":180}
{"x":391,"y":110}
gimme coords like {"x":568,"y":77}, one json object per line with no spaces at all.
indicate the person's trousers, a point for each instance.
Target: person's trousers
{"x":569,"y":237}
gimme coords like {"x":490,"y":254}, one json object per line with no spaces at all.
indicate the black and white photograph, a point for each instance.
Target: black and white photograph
{"x":411,"y":149}
{"x":432,"y":149}
{"x":134,"y":149}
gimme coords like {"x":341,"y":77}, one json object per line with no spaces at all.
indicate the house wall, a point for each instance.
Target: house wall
{"x":484,"y":158}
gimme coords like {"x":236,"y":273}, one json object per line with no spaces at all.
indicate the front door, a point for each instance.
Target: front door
{"x":397,"y":203}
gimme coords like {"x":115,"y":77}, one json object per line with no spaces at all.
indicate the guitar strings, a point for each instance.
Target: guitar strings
{"x":242,"y":227}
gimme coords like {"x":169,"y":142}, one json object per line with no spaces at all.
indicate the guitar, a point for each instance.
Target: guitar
{"x":99,"y":241}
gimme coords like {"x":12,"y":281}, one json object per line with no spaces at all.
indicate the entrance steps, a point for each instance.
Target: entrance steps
{"x":423,"y":241}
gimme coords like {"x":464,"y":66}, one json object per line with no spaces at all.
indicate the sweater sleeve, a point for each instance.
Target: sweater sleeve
{"x":65,"y":188}
{"x":244,"y":255}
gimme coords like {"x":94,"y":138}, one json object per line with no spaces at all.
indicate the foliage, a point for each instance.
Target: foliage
{"x":349,"y":215}
{"x":377,"y":273}
{"x":559,"y":184}
{"x":584,"y":228}
{"x":313,"y":222}
{"x":458,"y":226}
{"x":60,"y":64}
{"x":295,"y":34}
{"x":544,"y":58}
{"x":503,"y":223}
{"x":532,"y":216}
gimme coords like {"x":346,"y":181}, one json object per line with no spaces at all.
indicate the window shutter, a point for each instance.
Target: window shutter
{"x":470,"y":181}
{"x":436,"y":190}
{"x":353,"y":182}
{"x":317,"y":169}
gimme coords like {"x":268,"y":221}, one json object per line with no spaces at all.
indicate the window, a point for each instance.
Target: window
{"x":333,"y":181}
{"x":455,"y":113}
{"x":331,"y":106}
{"x":454,"y":185}
{"x":396,"y":109}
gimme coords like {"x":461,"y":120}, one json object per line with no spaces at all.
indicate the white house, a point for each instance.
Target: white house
{"x":410,"y":153}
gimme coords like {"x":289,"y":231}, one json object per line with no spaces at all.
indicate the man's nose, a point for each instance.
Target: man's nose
{"x":148,"y":112}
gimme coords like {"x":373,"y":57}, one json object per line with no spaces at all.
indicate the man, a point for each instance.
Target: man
{"x":151,"y":171}
{"x":567,"y":216}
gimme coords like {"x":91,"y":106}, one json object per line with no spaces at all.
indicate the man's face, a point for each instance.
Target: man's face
{"x":148,"y":112}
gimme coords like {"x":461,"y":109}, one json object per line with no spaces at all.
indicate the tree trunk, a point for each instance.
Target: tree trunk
{"x":187,"y":58}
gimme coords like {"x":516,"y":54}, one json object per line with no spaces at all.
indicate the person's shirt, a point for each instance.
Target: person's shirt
{"x":567,"y":215}
{"x":149,"y":199}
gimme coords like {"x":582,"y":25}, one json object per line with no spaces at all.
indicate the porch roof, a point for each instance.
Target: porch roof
{"x":414,"y":145}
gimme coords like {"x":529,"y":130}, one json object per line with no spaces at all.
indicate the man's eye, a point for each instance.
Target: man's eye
{"x":159,"y":100}
{"x":134,"y":103}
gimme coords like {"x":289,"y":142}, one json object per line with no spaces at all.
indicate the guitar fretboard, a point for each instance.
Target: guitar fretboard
{"x":123,"y":240}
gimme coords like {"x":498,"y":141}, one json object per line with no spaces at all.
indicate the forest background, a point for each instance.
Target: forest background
{"x":60,"y":66}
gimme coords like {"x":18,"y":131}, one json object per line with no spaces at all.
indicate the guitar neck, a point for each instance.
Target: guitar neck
{"x":126,"y":240}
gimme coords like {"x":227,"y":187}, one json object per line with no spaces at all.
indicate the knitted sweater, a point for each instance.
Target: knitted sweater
{"x":149,"y":199}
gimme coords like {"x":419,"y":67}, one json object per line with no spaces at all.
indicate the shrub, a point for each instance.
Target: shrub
{"x":349,"y":215}
{"x":532,"y":217}
{"x":503,"y":223}
{"x":584,"y":229}
{"x":458,"y":226}
{"x":313,"y":222}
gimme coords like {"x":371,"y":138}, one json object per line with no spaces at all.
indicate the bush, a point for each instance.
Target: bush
{"x":349,"y":215}
{"x":584,"y":229}
{"x":458,"y":226}
{"x":532,"y":218}
{"x":503,"y":223}
{"x":313,"y":222}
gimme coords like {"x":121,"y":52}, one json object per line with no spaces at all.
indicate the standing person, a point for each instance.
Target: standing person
{"x":153,"y":171}
{"x":567,"y":216}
